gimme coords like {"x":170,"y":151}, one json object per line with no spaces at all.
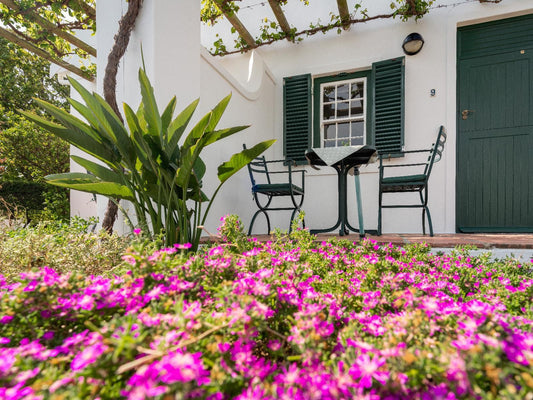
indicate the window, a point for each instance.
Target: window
{"x":363,"y":107}
{"x":341,"y":109}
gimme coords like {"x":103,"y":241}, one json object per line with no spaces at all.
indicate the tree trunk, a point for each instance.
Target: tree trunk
{"x":122,"y":38}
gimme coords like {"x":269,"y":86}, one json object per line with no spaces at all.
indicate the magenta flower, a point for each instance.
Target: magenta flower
{"x":88,"y":356}
{"x":216,"y":251}
{"x":182,"y":367}
{"x":86,"y":303}
{"x":366,"y":369}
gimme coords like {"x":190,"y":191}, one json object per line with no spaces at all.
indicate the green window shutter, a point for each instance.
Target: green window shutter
{"x":388,"y":104}
{"x":297,"y":117}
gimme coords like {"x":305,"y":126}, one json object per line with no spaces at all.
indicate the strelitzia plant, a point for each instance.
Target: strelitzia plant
{"x":150,"y":162}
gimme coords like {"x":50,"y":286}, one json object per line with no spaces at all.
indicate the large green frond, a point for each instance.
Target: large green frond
{"x":239,"y":160}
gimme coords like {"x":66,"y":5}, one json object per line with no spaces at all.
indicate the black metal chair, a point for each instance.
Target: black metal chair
{"x":262,"y":184}
{"x":411,"y":183}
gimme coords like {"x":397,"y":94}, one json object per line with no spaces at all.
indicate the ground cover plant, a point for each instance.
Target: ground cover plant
{"x":287,"y":319}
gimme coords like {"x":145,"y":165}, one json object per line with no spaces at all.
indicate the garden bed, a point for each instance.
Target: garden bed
{"x":290,"y":318}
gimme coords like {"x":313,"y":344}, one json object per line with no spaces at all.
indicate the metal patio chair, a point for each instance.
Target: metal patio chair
{"x":411,"y":183}
{"x":264,"y":189}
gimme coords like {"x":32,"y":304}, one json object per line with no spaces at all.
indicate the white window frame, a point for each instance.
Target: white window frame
{"x":364,"y":117}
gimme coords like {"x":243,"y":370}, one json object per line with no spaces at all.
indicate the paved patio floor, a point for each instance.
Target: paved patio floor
{"x":482,"y":241}
{"x":446,"y":240}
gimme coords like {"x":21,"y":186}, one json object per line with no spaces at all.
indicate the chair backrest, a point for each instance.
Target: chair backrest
{"x":436,"y":151}
{"x":257,"y":165}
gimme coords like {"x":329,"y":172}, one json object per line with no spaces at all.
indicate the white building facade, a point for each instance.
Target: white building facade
{"x":477,"y":56}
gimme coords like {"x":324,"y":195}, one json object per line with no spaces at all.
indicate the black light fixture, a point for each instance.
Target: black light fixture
{"x":413,"y":43}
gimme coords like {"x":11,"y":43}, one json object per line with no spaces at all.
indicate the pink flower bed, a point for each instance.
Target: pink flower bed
{"x":279,"y":320}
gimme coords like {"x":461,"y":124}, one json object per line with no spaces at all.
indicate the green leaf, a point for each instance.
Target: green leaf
{"x":142,"y":150}
{"x":85,"y":113}
{"x":151,"y":112}
{"x":74,"y":132}
{"x":188,"y":160}
{"x":101,"y":123}
{"x":217,"y":112}
{"x":91,"y":184}
{"x":197,"y":132}
{"x":190,"y":151}
{"x":239,"y":160}
{"x":166,"y":117}
{"x":104,"y":120}
{"x":178,"y":126}
{"x":215,"y":136}
{"x":199,"y":169}
{"x":118,"y":131}
{"x":99,"y":171}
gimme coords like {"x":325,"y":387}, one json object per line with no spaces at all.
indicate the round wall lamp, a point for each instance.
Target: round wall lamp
{"x":413,"y":43}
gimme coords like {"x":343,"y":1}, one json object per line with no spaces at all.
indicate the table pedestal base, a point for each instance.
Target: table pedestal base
{"x":342,"y":220}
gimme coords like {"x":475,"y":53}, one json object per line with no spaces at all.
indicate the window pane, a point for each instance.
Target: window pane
{"x":343,"y":142}
{"x":356,"y":108}
{"x":357,"y":141}
{"x":342,"y":91}
{"x":357,"y":90}
{"x":342,"y":109}
{"x":343,"y":130}
{"x":358,"y":129}
{"x":329,"y":131}
{"x":328,"y":111}
{"x":329,"y":143}
{"x":329,"y":94}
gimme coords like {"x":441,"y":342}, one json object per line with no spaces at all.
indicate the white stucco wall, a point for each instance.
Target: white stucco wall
{"x":177,"y":65}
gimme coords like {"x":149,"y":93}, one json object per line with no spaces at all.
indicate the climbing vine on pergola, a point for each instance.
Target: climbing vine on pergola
{"x":281,"y":29}
{"x":47,"y":28}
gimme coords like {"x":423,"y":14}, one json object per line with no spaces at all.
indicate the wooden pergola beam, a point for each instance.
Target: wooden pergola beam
{"x":237,"y":24}
{"x":50,"y":27}
{"x":87,"y":9}
{"x":344,"y":13}
{"x":41,"y":53}
{"x":280,"y":16}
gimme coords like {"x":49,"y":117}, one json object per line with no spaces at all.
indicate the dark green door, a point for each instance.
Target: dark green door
{"x":495,"y":128}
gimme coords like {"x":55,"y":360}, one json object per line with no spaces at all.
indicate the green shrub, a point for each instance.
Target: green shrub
{"x":28,"y":195}
{"x":64,"y":247}
{"x":33,"y":201}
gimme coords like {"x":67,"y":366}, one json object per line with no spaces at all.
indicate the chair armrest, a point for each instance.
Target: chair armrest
{"x":290,"y":172}
{"x":402,"y":165}
{"x":285,"y":162}
{"x":399,"y":153}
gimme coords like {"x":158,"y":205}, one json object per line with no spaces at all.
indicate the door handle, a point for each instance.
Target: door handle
{"x":465,"y":113}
